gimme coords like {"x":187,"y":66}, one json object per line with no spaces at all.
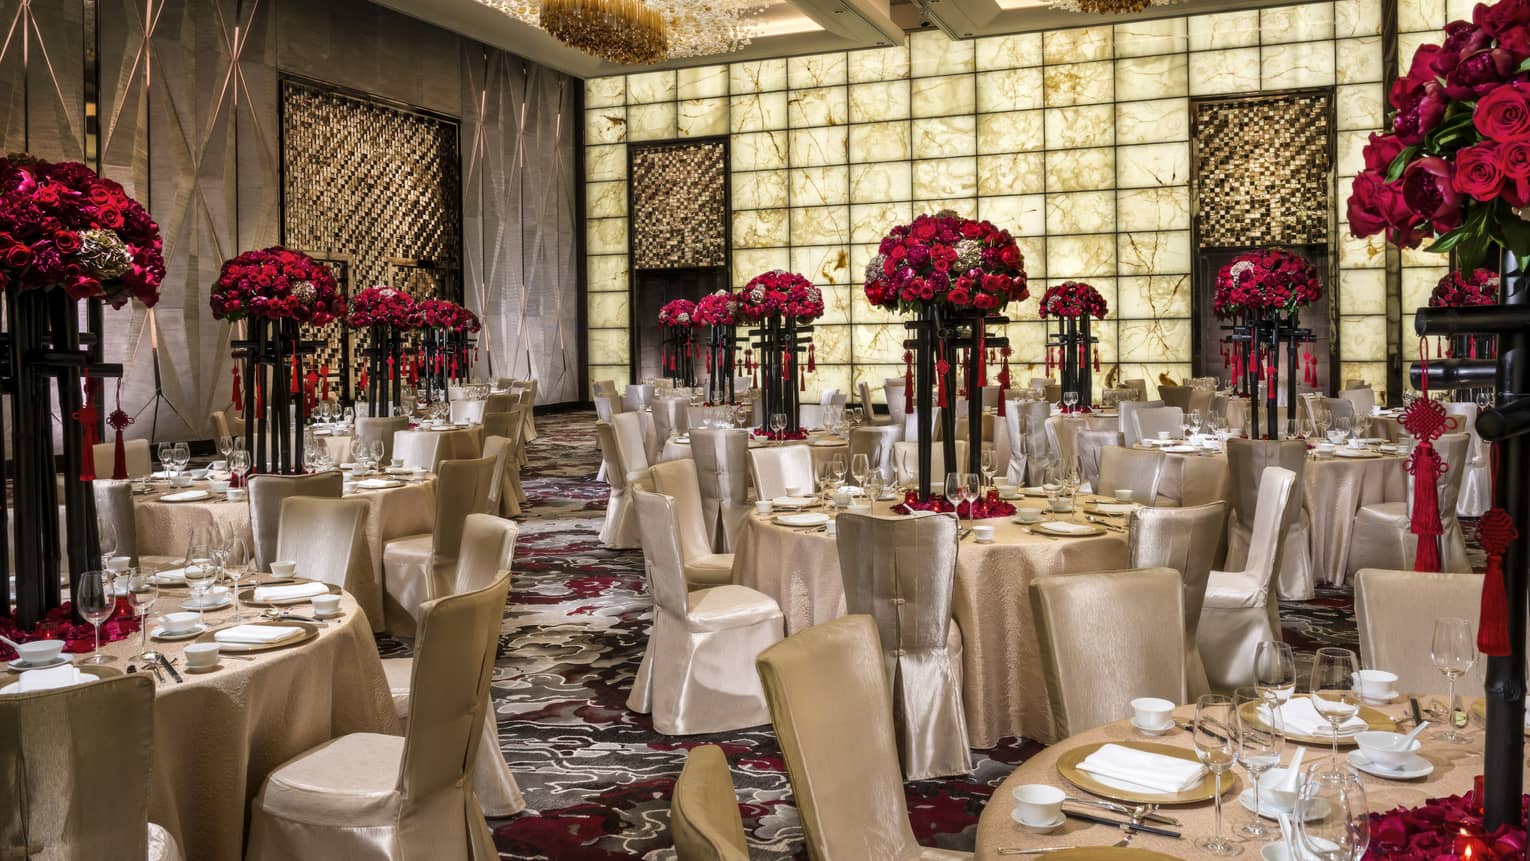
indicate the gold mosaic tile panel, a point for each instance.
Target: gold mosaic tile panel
{"x":679,"y":205}
{"x":1263,"y":170}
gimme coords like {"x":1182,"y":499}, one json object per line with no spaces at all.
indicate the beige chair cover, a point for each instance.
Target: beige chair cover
{"x":1152,"y":421}
{"x":468,"y":410}
{"x":502,"y":497}
{"x":911,"y":425}
{"x":1107,"y":639}
{"x":268,"y":492}
{"x":529,"y":401}
{"x":876,"y":442}
{"x":900,"y":571}
{"x":606,"y":407}
{"x":503,"y":402}
{"x":833,"y":717}
{"x":636,"y":396}
{"x":1176,"y":396}
{"x":704,"y":821}
{"x":513,"y":425}
{"x":135,"y":452}
{"x":1091,"y":445}
{"x":1240,"y":610}
{"x":1246,"y":460}
{"x":1014,"y":420}
{"x":219,"y":424}
{"x":620,"y":528}
{"x":114,"y":505}
{"x":1396,"y":611}
{"x":1038,"y":445}
{"x":1361,"y":398}
{"x":1187,"y":540}
{"x":379,"y":796}
{"x":906,"y":462}
{"x":74,"y":773}
{"x":868,"y":409}
{"x":1476,"y":494}
{"x":1138,"y":386}
{"x":629,"y":438}
{"x":1129,"y":410}
{"x":1203,"y":480}
{"x":694,"y":676}
{"x":327,"y":540}
{"x":605,"y":388}
{"x":893,"y":389}
{"x":418,"y":568}
{"x":782,"y":471}
{"x":1382,"y":537}
{"x":722,"y":471}
{"x":670,"y":417}
{"x":1131,"y":469}
{"x":677,"y":479}
{"x":383,"y":428}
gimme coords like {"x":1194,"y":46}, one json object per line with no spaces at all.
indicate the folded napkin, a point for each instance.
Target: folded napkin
{"x":172,"y":576}
{"x":1300,"y":717}
{"x":1142,"y":771}
{"x":293,"y":592}
{"x":49,"y":679}
{"x":184,"y":496}
{"x":256,"y":634}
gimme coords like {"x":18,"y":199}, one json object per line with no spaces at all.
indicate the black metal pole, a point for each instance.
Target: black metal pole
{"x":924,"y":378}
{"x":975,"y":399}
{"x":1085,"y":371}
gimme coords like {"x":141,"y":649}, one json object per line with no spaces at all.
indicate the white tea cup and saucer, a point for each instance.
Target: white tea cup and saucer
{"x":1038,"y":807}
{"x":982,"y":534}
{"x":763,"y":507}
{"x":283,"y":569}
{"x":1123,"y":494}
{"x":326,"y":606}
{"x":1324,"y":450}
{"x":1376,"y":687}
{"x":178,"y":626}
{"x":1028,"y":516}
{"x":38,"y":654}
{"x":201,"y":657}
{"x":1152,"y":716}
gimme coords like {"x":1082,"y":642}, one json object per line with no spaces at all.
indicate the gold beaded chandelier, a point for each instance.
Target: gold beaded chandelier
{"x":1109,"y":7}
{"x":640,"y":32}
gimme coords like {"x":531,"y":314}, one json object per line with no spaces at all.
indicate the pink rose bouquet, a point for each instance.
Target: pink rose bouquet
{"x":62,"y":226}
{"x":1463,"y":289}
{"x":779,"y":293}
{"x":678,"y":314}
{"x":716,"y":309}
{"x":1072,"y":299}
{"x":1268,"y":279}
{"x":948,"y":260}
{"x":382,"y":305}
{"x":447,"y":315}
{"x":276,"y":284}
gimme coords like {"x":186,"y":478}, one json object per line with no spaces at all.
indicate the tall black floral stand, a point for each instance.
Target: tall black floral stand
{"x":41,"y":349}
{"x":720,"y":365}
{"x":679,"y":348}
{"x":1264,"y":335}
{"x":271,"y":349}
{"x":439,"y":348}
{"x":1507,"y":426}
{"x":938,"y":334}
{"x":780,"y":344}
{"x":1074,"y":345}
{"x":385,"y":369}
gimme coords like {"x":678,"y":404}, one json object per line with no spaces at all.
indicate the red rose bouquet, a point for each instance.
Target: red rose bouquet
{"x":1463,"y":289}
{"x":1071,"y":299}
{"x":780,"y":293}
{"x":978,"y":509}
{"x":61,"y":225}
{"x":382,"y":305}
{"x":1268,"y":279}
{"x":716,"y":309}
{"x":1455,"y":166}
{"x":944,"y":259}
{"x":276,"y":284}
{"x":447,"y":315}
{"x":678,"y":314}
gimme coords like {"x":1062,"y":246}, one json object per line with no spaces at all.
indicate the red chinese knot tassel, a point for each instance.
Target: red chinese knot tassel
{"x":119,"y":419}
{"x":1496,"y":532}
{"x":908,"y":382}
{"x":86,"y":416}
{"x":235,"y":395}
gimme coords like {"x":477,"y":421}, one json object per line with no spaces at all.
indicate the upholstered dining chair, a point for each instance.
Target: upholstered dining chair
{"x":327,"y":540}
{"x":1246,"y":460}
{"x":502,"y":499}
{"x":782,"y":471}
{"x":1203,"y":480}
{"x":488,"y":548}
{"x":227,"y":422}
{"x":1091,"y":446}
{"x":876,"y":442}
{"x":704,"y":821}
{"x":1186,"y":540}
{"x":1106,"y":639}
{"x":1152,"y":421}
{"x":382,"y":428}
{"x":1139,"y":387}
{"x":678,"y":480}
{"x":268,"y":492}
{"x":1382,"y":537}
{"x":636,"y":396}
{"x":694,"y":676}
{"x":894,"y":390}
{"x":1240,"y":610}
{"x":1038,"y":447}
{"x":868,"y":408}
{"x":470,"y":411}
{"x":1396,"y":611}
{"x":620,"y":528}
{"x":1475,"y":496}
{"x":1361,"y":398}
{"x":366,"y":795}
{"x":605,"y":388}
{"x":519,"y":417}
{"x":1131,"y":469}
{"x":607,"y":406}
{"x":114,"y":505}
{"x":842,"y":761}
{"x":74,"y":768}
{"x":527,"y":399}
{"x":629,"y":437}
{"x":1128,"y":412}
{"x":419,"y":450}
{"x":1014,"y":431}
{"x":900,"y":571}
{"x":417,"y":568}
{"x":1176,"y":396}
{"x":103,"y":457}
{"x":722,"y":472}
{"x":906,"y":462}
{"x":504,"y":402}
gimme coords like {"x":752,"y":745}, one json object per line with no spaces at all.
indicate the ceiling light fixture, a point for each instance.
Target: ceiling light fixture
{"x":641,"y":32}
{"x":1109,"y":7}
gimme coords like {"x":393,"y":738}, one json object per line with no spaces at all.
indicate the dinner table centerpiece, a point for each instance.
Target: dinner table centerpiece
{"x":447,"y":346}
{"x":1072,"y":304}
{"x":385,"y":313}
{"x":719,"y":312}
{"x":782,"y":306}
{"x":677,"y":325}
{"x":1260,"y":294}
{"x":1461,"y":289}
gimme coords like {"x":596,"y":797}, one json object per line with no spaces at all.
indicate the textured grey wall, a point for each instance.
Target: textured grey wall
{"x":188,"y":123}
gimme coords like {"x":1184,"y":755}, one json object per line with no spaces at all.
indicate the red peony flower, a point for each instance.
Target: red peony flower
{"x":1377,"y":205}
{"x":678,"y":314}
{"x":1428,"y":189}
{"x":276,"y":284}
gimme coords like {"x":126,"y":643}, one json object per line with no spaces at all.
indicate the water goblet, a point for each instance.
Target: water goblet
{"x":990,"y":466}
{"x":95,"y":598}
{"x":166,"y":454}
{"x":106,"y":535}
{"x":225,"y":445}
{"x":142,"y":590}
{"x":237,"y":560}
{"x":239,"y":465}
{"x":1453,"y":652}
{"x":1275,"y":669}
{"x":1333,"y":821}
{"x":778,"y":424}
{"x":1070,"y":400}
{"x":972,"y":491}
{"x":860,"y":465}
{"x":182,"y":456}
{"x":1334,"y":693}
{"x":1215,"y":722}
{"x":1260,"y":741}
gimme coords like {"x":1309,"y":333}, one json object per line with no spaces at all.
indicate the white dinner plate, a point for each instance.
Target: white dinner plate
{"x":826,"y":442}
{"x":1415,"y":767}
{"x":1115,"y":508}
{"x":812,"y":518}
{"x":193,"y":631}
{"x":793,"y":502}
{"x":186,"y":496}
{"x":225,"y":601}
{"x":1356,"y":453}
{"x":1270,"y":811}
{"x":1068,"y":528}
{"x":1181,"y":449}
{"x":378,"y":483}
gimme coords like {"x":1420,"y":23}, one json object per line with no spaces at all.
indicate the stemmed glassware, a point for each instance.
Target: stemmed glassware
{"x":825,"y":480}
{"x":1275,"y":669}
{"x":990,"y":466}
{"x":167,"y":457}
{"x":1338,"y":431}
{"x":971,"y":491}
{"x":860,"y":466}
{"x":225,"y":445}
{"x":106,"y":535}
{"x":1215,"y":723}
{"x":1334,"y":692}
{"x":239,"y":464}
{"x":200,"y":570}
{"x":1260,"y":742}
{"x":837,"y":470}
{"x":236,"y":559}
{"x":1192,"y":423}
{"x":953,"y":487}
{"x":777,"y":424}
{"x":1453,"y":651}
{"x":1333,"y":820}
{"x":142,"y":590}
{"x":95,"y":598}
{"x":1070,"y":400}
{"x":182,"y":456}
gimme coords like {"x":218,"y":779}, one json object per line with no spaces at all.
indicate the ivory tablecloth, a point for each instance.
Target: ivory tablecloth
{"x":1003,"y":687}
{"x":1455,"y":766}
{"x":676,"y":450}
{"x":339,"y":446}
{"x":456,"y":444}
{"x":219,"y":734}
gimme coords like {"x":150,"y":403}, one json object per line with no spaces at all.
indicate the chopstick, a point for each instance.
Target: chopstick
{"x":1134,"y":826}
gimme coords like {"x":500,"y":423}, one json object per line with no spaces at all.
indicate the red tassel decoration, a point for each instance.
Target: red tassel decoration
{"x":801,"y":378}
{"x":1426,"y":420}
{"x":363,"y":384}
{"x":1004,"y":380}
{"x":119,"y":419}
{"x":1049,"y":362}
{"x":786,"y":367}
{"x":749,"y":361}
{"x":235,"y":395}
{"x":1096,"y":360}
{"x":1496,"y":532}
{"x":86,"y":416}
{"x":812,"y":363}
{"x":260,"y":392}
{"x":908,"y":382}
{"x":390,"y":369}
{"x":324,"y":380}
{"x":941,"y":367}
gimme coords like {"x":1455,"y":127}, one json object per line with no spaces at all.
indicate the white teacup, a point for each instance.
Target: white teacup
{"x":396,"y":462}
{"x":1163,"y":435}
{"x":1028,"y":515}
{"x":179,"y":623}
{"x":1152,"y":713}
{"x":1060,"y":504}
{"x":282,"y":568}
{"x":1038,"y":805}
{"x":218,"y":466}
{"x":1325,"y":449}
{"x":202,"y":656}
{"x":1123,"y":494}
{"x":763,"y":507}
{"x":982,"y":534}
{"x":180,"y":479}
{"x":214,"y":596}
{"x":119,"y":564}
{"x":1357,"y":442}
{"x":39,"y":652}
{"x":217,"y":485}
{"x":234,"y":494}
{"x":1271,"y":788}
{"x":1376,"y":686}
{"x":326,"y":605}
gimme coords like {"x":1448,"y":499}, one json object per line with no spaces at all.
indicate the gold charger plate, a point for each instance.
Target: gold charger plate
{"x":310,"y":631}
{"x":1067,"y":766}
{"x":1093,"y":529}
{"x":1374,"y":720}
{"x":1109,"y":853}
{"x":1479,"y":710}
{"x":247,"y":594}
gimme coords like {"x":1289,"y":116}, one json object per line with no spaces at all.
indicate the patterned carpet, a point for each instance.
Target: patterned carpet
{"x":597,"y":778}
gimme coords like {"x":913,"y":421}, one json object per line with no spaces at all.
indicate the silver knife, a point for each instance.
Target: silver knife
{"x":171,"y":670}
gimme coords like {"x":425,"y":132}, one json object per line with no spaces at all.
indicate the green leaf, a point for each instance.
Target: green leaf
{"x":1514,"y":231}
{"x":1524,"y":65}
{"x":1450,"y":240}
{"x":1400,"y":163}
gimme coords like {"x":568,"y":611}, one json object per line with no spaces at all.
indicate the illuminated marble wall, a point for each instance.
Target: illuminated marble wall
{"x":1076,"y":140}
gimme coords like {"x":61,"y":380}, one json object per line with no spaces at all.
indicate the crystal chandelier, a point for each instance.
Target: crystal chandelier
{"x":640,"y":31}
{"x":1109,"y":7}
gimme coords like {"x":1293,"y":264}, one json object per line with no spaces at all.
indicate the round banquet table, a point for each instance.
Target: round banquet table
{"x":1455,"y":766}
{"x":823,"y":448}
{"x":218,"y":735}
{"x":454,"y":444}
{"x":1002,"y":684}
{"x":395,"y":512}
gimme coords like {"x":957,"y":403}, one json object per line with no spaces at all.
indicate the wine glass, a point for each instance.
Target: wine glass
{"x":837,"y":470}
{"x":972,"y":491}
{"x":1333,"y":688}
{"x":953,"y":487}
{"x":237,"y":560}
{"x":1070,"y":400}
{"x":1275,"y":669}
{"x":142,"y":590}
{"x":95,"y":598}
{"x":860,"y":465}
{"x":990,"y":466}
{"x":239,"y":464}
{"x":166,"y":457}
{"x":1260,"y":742}
{"x":1338,"y":431}
{"x":1333,"y":821}
{"x":200,"y":570}
{"x":350,"y":415}
{"x":778,"y":424}
{"x":1453,"y":651}
{"x":1215,"y":731}
{"x":106,"y":536}
{"x":825,"y":476}
{"x":1192,"y":423}
{"x":182,"y":456}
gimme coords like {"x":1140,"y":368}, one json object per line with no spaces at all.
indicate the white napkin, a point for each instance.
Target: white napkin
{"x":55,"y":677}
{"x":1300,"y":717}
{"x":184,"y":496}
{"x":293,"y":592}
{"x":172,"y":576}
{"x":256,"y":634}
{"x":1142,"y":770}
{"x":1067,"y":527}
{"x":378,"y":483}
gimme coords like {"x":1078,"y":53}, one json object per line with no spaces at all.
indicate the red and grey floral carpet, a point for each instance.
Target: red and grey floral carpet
{"x":597,"y":778}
